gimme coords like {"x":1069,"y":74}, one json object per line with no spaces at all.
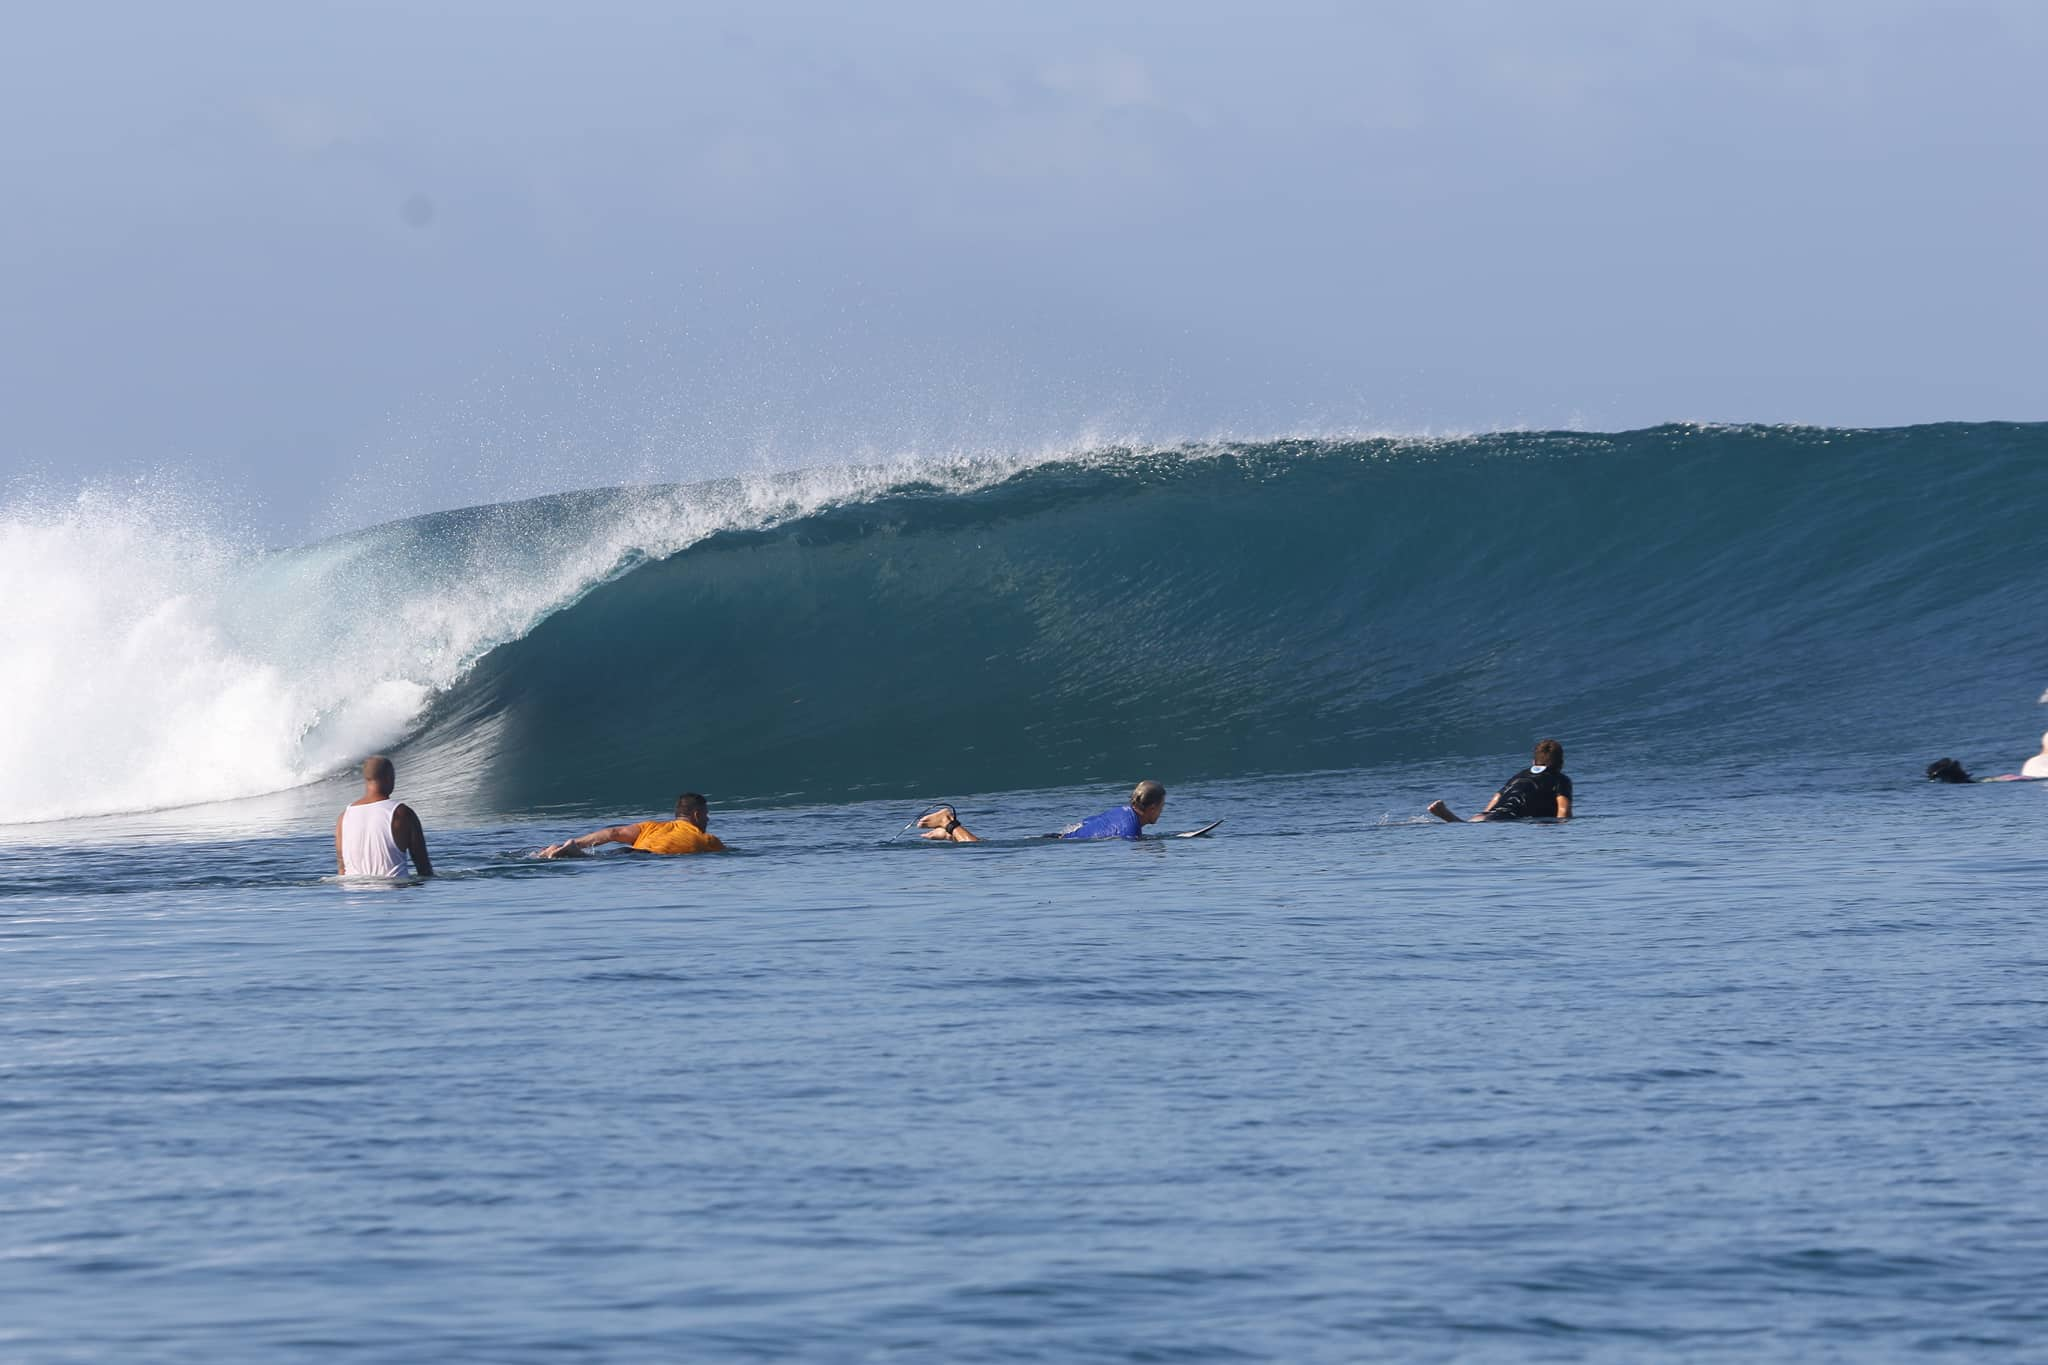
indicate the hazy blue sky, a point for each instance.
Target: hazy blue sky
{"x":359,"y":260}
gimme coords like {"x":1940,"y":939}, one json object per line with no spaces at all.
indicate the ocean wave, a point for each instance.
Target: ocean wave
{"x":1696,"y":592}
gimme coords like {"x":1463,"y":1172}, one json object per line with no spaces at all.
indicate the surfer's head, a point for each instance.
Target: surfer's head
{"x":1549,"y":754}
{"x":692,"y":807}
{"x":380,"y":773}
{"x":1946,"y":770}
{"x":1148,"y":798}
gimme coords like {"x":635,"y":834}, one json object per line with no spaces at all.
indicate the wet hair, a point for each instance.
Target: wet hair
{"x":1146,"y":795}
{"x":1549,"y":754}
{"x":693,"y":807}
{"x":1946,"y":770}
{"x":379,"y":771}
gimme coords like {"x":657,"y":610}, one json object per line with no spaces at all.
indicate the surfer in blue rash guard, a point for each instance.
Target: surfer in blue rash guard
{"x":1148,"y":801}
{"x":1539,"y":791}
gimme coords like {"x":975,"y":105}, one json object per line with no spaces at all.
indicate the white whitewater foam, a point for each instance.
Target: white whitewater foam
{"x":152,"y":659}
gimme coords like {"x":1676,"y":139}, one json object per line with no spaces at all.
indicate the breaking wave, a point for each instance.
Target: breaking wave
{"x":1688,"y":593}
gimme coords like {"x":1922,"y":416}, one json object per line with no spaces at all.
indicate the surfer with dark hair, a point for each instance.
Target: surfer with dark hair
{"x":1948,"y":770}
{"x":684,"y":834}
{"x":1148,"y":800}
{"x":1540,"y":791}
{"x":376,"y":835}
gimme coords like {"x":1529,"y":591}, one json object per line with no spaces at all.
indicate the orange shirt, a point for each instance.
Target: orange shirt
{"x":675,"y":836}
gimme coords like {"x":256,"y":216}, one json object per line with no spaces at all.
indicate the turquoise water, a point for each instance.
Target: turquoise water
{"x":1740,"y":1064}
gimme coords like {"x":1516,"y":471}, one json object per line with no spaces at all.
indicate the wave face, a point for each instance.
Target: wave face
{"x":1717,"y":596}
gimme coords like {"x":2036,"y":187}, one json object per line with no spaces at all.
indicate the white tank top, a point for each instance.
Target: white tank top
{"x":367,"y":848}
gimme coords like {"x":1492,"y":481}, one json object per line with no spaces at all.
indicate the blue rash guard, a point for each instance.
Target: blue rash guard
{"x":1121,"y":823}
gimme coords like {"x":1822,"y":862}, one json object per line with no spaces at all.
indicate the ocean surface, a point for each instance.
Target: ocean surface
{"x":1745,"y":1062}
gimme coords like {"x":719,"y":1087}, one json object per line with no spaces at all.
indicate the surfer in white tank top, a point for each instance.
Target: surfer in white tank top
{"x":376,"y":835}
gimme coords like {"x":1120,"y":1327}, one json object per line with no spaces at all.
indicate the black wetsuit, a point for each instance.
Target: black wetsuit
{"x":1530,"y":794}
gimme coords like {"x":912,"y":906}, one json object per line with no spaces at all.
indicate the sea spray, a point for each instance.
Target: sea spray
{"x":156,"y":657}
{"x":126,"y":681}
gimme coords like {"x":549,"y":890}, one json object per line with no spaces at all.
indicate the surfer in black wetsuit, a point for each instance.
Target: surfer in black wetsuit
{"x":1539,"y":791}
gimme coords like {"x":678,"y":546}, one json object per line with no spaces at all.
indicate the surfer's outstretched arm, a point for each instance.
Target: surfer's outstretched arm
{"x":944,"y":823}
{"x":1444,"y":812}
{"x":577,"y":847}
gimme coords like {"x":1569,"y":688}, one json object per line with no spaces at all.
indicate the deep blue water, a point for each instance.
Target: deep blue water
{"x":1735,"y":1066}
{"x":1744,"y":1063}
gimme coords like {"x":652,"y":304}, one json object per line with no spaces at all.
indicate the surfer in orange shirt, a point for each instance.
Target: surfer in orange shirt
{"x":684,"y":834}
